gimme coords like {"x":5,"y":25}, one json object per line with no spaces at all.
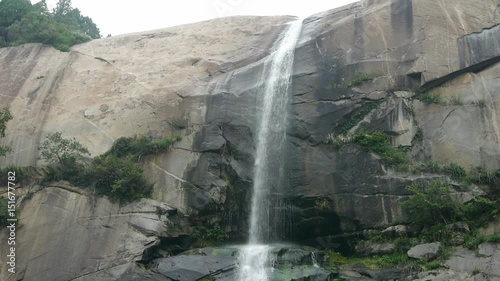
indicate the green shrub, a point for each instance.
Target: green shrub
{"x":377,"y":236}
{"x":209,"y":236}
{"x":65,"y":157}
{"x":481,"y":103}
{"x":22,"y":174}
{"x":366,"y":108}
{"x":21,"y":22}
{"x":383,"y":261}
{"x":58,"y":150}
{"x":431,"y":205}
{"x":322,"y":205}
{"x":68,"y":169}
{"x":115,"y":174}
{"x":5,"y":116}
{"x":473,"y":240}
{"x":419,"y":137}
{"x":4,"y":213}
{"x":482,"y":176}
{"x":432,"y":265}
{"x":334,"y":259}
{"x":136,"y":147}
{"x":403,"y":244}
{"x":429,"y":98}
{"x":437,"y":233}
{"x":379,"y":143}
{"x":455,"y":171}
{"x":481,"y":211}
{"x":119,"y":179}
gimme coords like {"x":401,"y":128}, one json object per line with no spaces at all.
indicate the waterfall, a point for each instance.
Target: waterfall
{"x":266,"y":208}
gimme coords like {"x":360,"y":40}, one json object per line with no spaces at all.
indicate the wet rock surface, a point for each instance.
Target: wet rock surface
{"x":286,"y":263}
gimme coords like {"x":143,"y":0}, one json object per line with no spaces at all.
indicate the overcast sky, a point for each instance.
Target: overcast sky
{"x":124,"y":16}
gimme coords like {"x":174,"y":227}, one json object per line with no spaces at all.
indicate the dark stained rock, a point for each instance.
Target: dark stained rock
{"x":192,"y":268}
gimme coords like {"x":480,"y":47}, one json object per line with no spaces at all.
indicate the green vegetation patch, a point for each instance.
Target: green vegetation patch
{"x":379,"y":143}
{"x":5,"y":116}
{"x":377,"y":262}
{"x":431,"y":205}
{"x":116,"y":174}
{"x":119,"y":179}
{"x":210,"y":235}
{"x":473,"y":240}
{"x":22,"y":22}
{"x":22,"y":174}
{"x":4,"y":212}
{"x":430,"y":98}
{"x":366,"y":108}
{"x":136,"y":147}
{"x":433,"y":210}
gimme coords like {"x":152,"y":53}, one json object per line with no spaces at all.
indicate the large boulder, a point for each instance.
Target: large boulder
{"x":425,"y":252}
{"x":465,"y":264}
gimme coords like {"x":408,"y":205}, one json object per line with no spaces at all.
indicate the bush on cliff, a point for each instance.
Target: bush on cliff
{"x":379,"y":143}
{"x":4,"y":213}
{"x":5,"y":116}
{"x":21,"y":22}
{"x":119,"y":179}
{"x":431,"y":205}
{"x":136,"y":147}
{"x":116,"y":174}
{"x":65,"y":157}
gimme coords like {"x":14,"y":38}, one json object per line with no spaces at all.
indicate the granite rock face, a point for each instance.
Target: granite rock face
{"x":65,"y":228}
{"x":157,"y":83}
{"x":358,"y":64}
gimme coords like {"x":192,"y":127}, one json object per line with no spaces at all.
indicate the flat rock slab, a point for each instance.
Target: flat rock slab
{"x":192,"y":268}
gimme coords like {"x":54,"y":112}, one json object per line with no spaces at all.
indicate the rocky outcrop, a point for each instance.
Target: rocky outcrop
{"x":467,"y":265}
{"x":289,"y":263}
{"x":158,"y":83}
{"x":63,"y":227}
{"x":395,"y":45}
{"x":425,"y":252}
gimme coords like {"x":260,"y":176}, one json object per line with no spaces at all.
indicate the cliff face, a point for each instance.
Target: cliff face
{"x":450,"y":48}
{"x":153,"y":83}
{"x":201,"y":81}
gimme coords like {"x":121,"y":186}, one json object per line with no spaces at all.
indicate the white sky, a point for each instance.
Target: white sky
{"x":124,"y":16}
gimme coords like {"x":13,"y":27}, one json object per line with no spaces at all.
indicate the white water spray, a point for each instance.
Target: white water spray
{"x":268,"y":168}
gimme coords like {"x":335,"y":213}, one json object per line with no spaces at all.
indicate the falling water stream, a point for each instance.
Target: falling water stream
{"x":265,"y":213}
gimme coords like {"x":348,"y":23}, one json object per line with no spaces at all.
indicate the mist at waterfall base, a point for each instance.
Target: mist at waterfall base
{"x":268,"y":216}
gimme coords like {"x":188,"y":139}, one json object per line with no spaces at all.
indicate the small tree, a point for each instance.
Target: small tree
{"x":5,"y":116}
{"x":431,"y":205}
{"x":64,"y":155}
{"x":56,"y":149}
